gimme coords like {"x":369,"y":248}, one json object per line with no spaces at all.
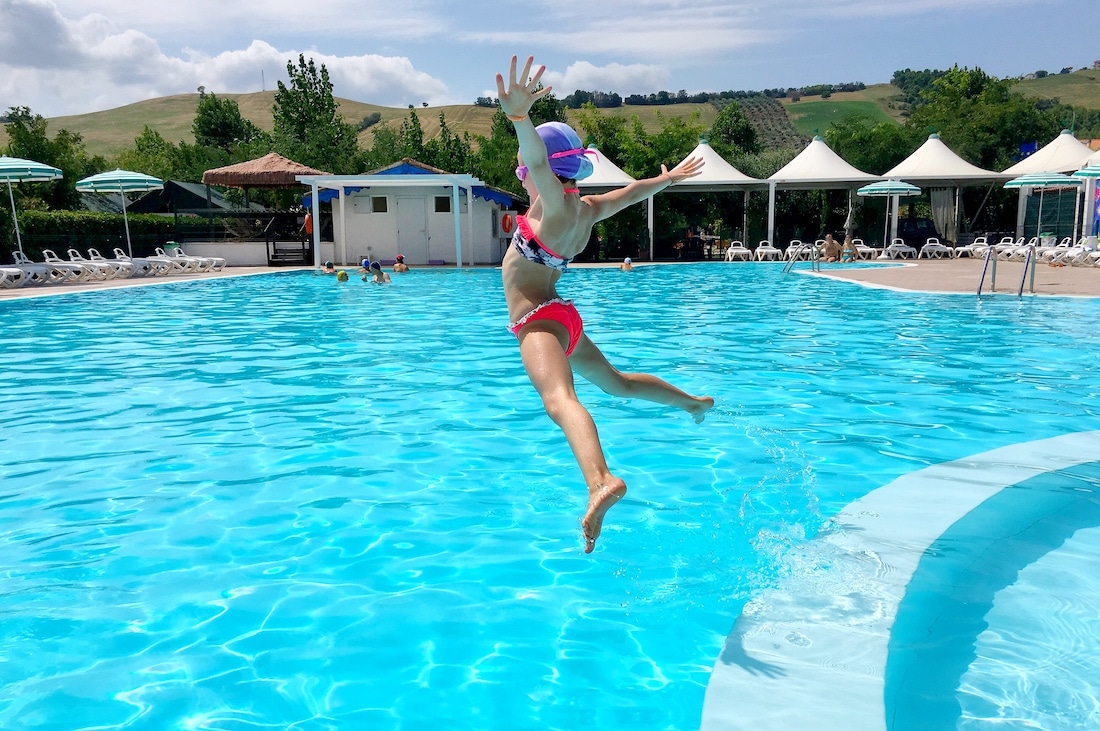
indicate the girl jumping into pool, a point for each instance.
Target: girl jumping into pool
{"x":552,"y":342}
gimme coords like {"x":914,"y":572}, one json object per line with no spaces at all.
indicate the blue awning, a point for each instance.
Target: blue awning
{"x":326,"y":195}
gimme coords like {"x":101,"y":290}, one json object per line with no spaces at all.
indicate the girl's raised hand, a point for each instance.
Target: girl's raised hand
{"x":689,"y":168}
{"x":521,"y":92}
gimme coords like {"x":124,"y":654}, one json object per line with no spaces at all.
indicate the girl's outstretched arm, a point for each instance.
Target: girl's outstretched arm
{"x":608,"y":204}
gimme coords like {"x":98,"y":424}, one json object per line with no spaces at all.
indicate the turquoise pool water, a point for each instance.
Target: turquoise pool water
{"x":283,"y":502}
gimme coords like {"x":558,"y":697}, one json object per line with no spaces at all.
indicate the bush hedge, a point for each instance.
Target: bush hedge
{"x":59,"y":230}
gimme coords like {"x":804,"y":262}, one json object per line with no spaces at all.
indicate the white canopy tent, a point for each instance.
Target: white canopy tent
{"x":607,"y":176}
{"x":934,"y":166}
{"x":816,"y":167}
{"x":717,"y":176}
{"x":1064,"y":154}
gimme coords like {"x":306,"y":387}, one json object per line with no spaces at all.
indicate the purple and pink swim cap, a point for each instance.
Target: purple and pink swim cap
{"x":567,"y":154}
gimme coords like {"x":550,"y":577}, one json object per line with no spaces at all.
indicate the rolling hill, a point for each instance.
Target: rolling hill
{"x":110,"y":131}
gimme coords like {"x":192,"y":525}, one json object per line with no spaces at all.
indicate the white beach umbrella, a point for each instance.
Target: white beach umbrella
{"x":892,"y":189}
{"x":121,"y":182}
{"x":18,"y":170}
{"x":1043,"y":181}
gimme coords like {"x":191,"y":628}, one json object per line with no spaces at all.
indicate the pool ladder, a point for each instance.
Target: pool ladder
{"x":1029,"y":263}
{"x":796,"y":254}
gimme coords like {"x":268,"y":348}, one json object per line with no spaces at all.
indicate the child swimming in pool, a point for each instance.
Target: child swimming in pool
{"x":552,"y":342}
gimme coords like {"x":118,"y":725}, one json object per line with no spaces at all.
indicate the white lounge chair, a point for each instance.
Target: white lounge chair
{"x":864,"y":251}
{"x":103,"y":270}
{"x":898,"y":249}
{"x":178,"y":264}
{"x":1048,"y":252}
{"x":215,"y":263}
{"x":799,"y":250}
{"x":42,"y":272}
{"x":12,"y":277}
{"x":201,"y":263}
{"x":142,"y":267}
{"x":738,"y":252}
{"x":77,"y":271}
{"x":933,"y":249}
{"x":974,"y":249}
{"x":766,"y":252}
{"x":124,"y":268}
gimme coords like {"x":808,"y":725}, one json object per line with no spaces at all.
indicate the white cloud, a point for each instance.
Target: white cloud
{"x":636,"y":78}
{"x":58,"y":66}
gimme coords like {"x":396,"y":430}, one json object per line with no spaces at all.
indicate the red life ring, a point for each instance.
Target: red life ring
{"x":506,"y":223}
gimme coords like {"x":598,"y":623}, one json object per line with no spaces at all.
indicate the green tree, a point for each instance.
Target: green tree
{"x":218,"y":123}
{"x":732,"y":131}
{"x":495,"y":158}
{"x":28,"y":138}
{"x":448,"y":151}
{"x":387,"y":148}
{"x":412,"y":136}
{"x":307,"y":125}
{"x":980,"y":118}
{"x":153,"y":155}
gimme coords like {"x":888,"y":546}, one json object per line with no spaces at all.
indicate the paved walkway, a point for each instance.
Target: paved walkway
{"x":963,"y":275}
{"x":46,"y":290}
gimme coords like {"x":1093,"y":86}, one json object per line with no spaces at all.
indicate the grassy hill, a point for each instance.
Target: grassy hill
{"x":1080,"y":88}
{"x":108,"y":132}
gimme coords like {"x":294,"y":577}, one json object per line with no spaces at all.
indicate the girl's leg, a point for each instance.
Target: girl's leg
{"x":590,"y":362}
{"x":540,"y":345}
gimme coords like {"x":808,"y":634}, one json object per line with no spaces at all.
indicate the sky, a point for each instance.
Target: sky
{"x":63,"y":57}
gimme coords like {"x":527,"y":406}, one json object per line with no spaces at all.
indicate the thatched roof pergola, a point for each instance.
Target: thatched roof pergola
{"x":270,"y":171}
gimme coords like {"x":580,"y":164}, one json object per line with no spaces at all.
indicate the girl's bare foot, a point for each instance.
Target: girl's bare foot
{"x":600,"y":499}
{"x":699,"y":410}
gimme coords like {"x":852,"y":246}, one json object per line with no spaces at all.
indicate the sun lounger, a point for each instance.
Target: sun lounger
{"x":974,"y":249}
{"x":77,"y":272}
{"x":12,"y":277}
{"x":766,"y":252}
{"x":189,"y":264}
{"x":933,"y":249}
{"x":216,"y":263}
{"x":738,"y":252}
{"x":864,"y":251}
{"x":46,"y":273}
{"x":898,"y":249}
{"x":103,"y":270}
{"x":142,"y":267}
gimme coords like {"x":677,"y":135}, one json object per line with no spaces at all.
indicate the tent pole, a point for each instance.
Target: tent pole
{"x":744,"y":220}
{"x":343,"y":229}
{"x":771,"y":213}
{"x":11,"y":197}
{"x":458,"y":224}
{"x":315,"y":213}
{"x":126,"y":221}
{"x":650,"y":210}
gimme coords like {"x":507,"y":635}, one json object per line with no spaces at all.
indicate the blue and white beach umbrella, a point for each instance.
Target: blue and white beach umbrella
{"x":888,"y":189}
{"x":18,"y":170}
{"x":885,"y":188}
{"x":121,"y":182}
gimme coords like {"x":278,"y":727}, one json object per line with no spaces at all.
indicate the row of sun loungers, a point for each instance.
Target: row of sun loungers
{"x":97,"y":268}
{"x":1064,"y":253}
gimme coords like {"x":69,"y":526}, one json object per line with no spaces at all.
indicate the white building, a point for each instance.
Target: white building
{"x":430,"y":216}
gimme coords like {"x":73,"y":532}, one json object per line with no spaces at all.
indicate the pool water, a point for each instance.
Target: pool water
{"x":286,"y":502}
